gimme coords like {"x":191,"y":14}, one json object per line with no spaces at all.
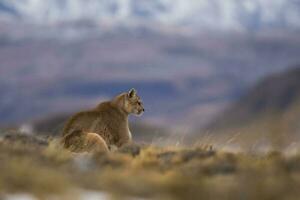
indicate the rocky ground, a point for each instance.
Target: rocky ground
{"x":37,"y":168}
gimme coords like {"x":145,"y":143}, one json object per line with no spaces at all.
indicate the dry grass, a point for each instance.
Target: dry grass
{"x":33,"y":166}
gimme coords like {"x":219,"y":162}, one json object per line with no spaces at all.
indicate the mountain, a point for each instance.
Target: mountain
{"x":184,"y":81}
{"x":238,"y":15}
{"x":272,"y":106}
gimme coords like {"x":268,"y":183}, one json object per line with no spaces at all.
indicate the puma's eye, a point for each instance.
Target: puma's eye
{"x":139,"y":103}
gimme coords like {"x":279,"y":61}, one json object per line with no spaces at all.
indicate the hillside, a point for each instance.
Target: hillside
{"x":51,"y":126}
{"x":272,"y":106}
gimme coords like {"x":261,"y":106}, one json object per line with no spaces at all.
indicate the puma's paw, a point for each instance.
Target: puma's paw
{"x":113,"y":148}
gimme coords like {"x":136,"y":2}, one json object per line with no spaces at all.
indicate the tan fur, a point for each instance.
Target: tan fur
{"x":104,"y":126}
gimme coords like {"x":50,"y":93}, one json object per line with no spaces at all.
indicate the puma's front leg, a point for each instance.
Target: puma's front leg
{"x":113,"y":148}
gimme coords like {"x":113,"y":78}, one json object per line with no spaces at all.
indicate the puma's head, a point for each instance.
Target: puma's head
{"x":133,"y":103}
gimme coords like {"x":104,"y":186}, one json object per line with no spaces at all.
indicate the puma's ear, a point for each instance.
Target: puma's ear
{"x":132,"y":93}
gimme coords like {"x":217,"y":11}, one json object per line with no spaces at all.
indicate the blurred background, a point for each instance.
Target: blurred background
{"x":199,"y":65}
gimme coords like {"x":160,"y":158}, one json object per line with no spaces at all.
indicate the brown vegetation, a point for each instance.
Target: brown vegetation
{"x":199,"y":172}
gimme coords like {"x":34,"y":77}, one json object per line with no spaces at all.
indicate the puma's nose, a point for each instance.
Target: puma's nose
{"x":143,"y":109}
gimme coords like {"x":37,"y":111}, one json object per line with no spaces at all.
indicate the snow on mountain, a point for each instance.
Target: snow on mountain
{"x":195,"y":14}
